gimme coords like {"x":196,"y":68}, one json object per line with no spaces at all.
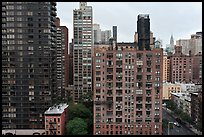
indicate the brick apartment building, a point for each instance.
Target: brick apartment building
{"x":55,"y":119}
{"x":127,"y":90}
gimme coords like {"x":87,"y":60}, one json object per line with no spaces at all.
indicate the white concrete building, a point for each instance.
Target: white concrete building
{"x":187,"y":87}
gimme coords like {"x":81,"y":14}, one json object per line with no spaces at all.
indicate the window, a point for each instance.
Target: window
{"x":98,"y":54}
{"x":10,"y":13}
{"x":10,"y":36}
{"x":98,"y":60}
{"x":98,"y":85}
{"x":19,"y":7}
{"x":19,"y":13}
{"x":10,"y":30}
{"x":119,"y":55}
{"x":10,"y":7}
{"x":29,"y":13}
{"x":10,"y":18}
{"x":9,"y":24}
{"x":19,"y":19}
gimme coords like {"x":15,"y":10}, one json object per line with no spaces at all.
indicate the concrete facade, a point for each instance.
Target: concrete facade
{"x":169,"y":88}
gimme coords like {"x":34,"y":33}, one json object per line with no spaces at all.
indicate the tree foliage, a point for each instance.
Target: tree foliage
{"x":199,"y":126}
{"x":165,"y":123}
{"x":185,"y":117}
{"x":77,"y":126}
{"x":79,"y":110}
{"x":171,"y":105}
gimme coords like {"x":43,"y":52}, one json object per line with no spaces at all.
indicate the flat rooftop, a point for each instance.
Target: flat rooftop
{"x":57,"y":109}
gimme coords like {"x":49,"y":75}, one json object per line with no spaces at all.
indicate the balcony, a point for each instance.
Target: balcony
{"x":138,"y":109}
{"x":109,"y":94}
{"x":139,"y":102}
{"x":148,"y":102}
{"x":54,"y":8}
{"x":138,"y":116}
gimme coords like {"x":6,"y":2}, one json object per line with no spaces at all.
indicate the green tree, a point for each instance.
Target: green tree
{"x":178,"y":111}
{"x":79,"y":110}
{"x":171,"y":105}
{"x":77,"y":126}
{"x":185,"y":117}
{"x":165,"y":123}
{"x":199,"y":126}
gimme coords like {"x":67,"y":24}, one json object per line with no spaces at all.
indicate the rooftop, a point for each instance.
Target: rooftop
{"x":57,"y":109}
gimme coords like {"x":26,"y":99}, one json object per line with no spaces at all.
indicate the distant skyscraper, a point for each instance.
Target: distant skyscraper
{"x":172,"y":41}
{"x":28,"y":63}
{"x":172,"y":44}
{"x":194,"y":44}
{"x":143,"y":30}
{"x":105,"y":36}
{"x":185,"y":44}
{"x":115,"y":33}
{"x":97,"y":33}
{"x":82,"y":56}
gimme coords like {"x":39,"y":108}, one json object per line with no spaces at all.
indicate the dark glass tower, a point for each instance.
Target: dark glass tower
{"x":28,"y":63}
{"x":143,"y":30}
{"x":115,"y":33}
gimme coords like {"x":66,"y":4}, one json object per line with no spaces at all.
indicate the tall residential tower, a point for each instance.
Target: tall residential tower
{"x":143,"y":30}
{"x":128,"y":88}
{"x":28,"y":63}
{"x":82,"y":56}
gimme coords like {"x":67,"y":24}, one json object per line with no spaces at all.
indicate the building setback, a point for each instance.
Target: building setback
{"x":127,"y":91}
{"x":82,"y":55}
{"x":28,"y":63}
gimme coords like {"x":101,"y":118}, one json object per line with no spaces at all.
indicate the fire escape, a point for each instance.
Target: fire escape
{"x":53,"y":128}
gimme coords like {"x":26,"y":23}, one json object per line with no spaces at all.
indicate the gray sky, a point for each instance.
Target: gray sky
{"x":178,"y":18}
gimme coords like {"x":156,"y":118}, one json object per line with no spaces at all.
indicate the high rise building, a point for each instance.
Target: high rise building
{"x":115,"y":33}
{"x":172,"y":42}
{"x":152,"y":40}
{"x":180,"y":66}
{"x":28,"y":63}
{"x":127,"y":89}
{"x":82,"y":55}
{"x":97,"y":33}
{"x":197,"y":68}
{"x":185,"y":43}
{"x":194,"y":44}
{"x":62,"y":58}
{"x":170,"y":47}
{"x":165,"y":67}
{"x":143,"y":30}
{"x":105,"y":36}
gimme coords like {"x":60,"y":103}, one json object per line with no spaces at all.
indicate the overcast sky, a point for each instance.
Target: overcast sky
{"x":181,"y":19}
